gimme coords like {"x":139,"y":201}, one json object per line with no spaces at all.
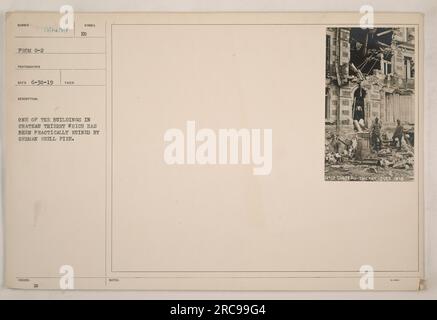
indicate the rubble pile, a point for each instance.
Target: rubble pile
{"x":403,"y":159}
{"x":341,"y":155}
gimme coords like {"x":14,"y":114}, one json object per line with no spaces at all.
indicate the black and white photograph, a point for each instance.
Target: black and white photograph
{"x":370,"y":104}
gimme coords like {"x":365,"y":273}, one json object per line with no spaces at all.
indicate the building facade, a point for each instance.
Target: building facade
{"x":385,"y":75}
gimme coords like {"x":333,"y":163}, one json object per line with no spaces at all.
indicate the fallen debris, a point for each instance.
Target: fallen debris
{"x":349,"y":154}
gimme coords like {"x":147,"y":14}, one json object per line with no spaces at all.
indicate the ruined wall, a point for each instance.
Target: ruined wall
{"x":383,"y":99}
{"x":339,"y":57}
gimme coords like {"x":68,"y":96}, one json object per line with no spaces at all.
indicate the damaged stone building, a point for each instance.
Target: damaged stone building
{"x":375,"y":64}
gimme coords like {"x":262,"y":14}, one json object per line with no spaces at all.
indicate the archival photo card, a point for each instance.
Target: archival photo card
{"x":206,"y":151}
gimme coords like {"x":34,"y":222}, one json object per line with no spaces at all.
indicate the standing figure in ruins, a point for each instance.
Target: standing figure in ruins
{"x":375,"y":132}
{"x":398,"y":134}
